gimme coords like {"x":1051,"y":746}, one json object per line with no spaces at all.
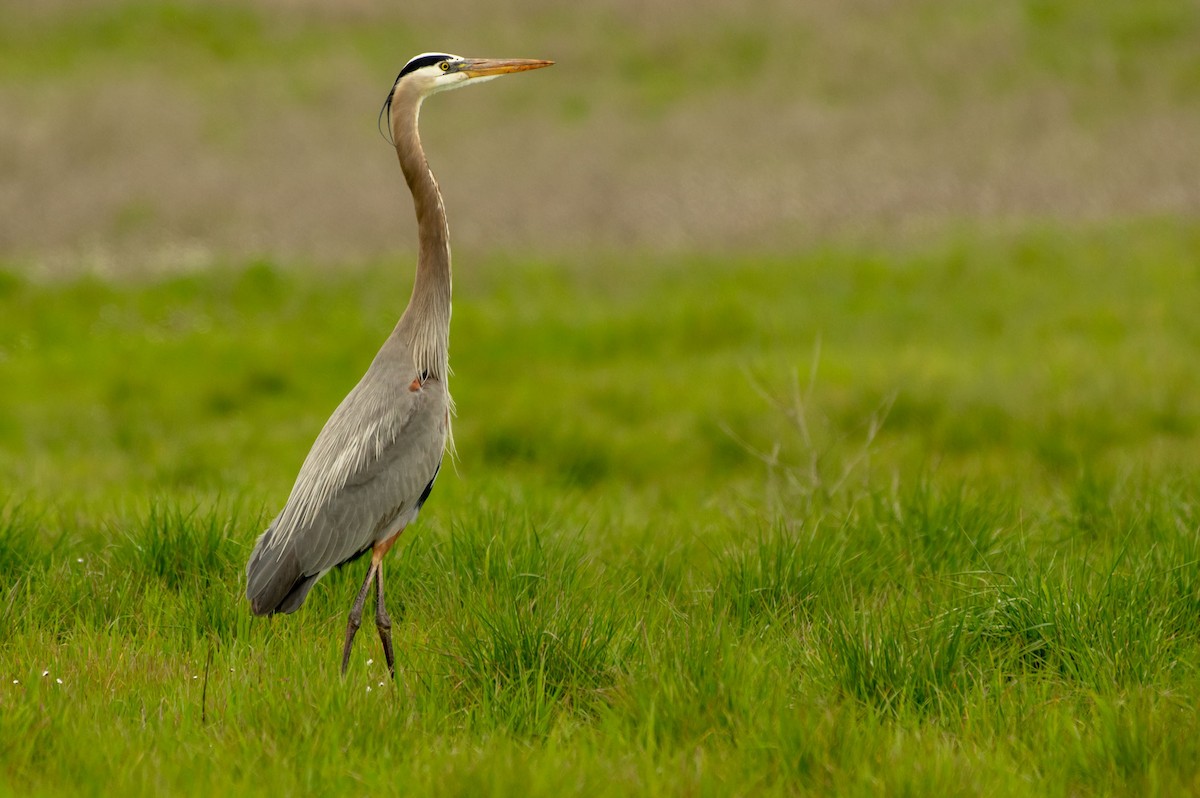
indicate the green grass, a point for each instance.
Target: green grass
{"x":855,"y":521}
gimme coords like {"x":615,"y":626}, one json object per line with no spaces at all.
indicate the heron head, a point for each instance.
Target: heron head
{"x":434,"y":72}
{"x":429,"y":73}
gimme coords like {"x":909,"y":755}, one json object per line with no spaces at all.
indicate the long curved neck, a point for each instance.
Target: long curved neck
{"x":425,"y":324}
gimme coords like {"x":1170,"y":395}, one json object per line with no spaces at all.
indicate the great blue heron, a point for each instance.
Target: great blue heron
{"x":373,"y":464}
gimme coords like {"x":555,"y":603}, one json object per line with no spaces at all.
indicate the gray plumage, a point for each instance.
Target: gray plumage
{"x":374,"y":462}
{"x":359,"y":485}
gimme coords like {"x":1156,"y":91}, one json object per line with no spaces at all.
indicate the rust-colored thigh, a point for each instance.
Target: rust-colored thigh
{"x":384,"y":546}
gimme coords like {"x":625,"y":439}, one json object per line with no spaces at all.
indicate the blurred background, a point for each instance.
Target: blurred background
{"x":142,"y":135}
{"x":977,"y":220}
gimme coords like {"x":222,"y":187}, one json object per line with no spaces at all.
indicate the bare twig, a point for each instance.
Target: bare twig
{"x":204,"y":690}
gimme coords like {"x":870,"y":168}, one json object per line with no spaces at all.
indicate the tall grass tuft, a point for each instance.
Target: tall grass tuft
{"x":776,"y":579}
{"x":899,"y":659}
{"x":22,"y":551}
{"x":535,"y":634}
{"x":24,"y":559}
{"x":189,"y":557}
{"x":182,"y":547}
{"x":942,"y":529}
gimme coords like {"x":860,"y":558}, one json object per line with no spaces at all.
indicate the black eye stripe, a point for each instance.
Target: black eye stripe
{"x":415,"y":64}
{"x":423,"y":61}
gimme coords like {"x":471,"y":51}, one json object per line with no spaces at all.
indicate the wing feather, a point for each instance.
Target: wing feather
{"x":366,"y":470}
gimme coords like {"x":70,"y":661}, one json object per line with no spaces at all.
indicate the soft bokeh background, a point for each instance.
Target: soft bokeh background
{"x":158,"y":135}
{"x":978,"y":217}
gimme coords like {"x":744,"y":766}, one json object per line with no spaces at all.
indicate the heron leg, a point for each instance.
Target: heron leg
{"x":356,"y":614}
{"x":383,"y":622}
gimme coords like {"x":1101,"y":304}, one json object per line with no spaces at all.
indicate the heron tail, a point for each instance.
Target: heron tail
{"x":275,"y":582}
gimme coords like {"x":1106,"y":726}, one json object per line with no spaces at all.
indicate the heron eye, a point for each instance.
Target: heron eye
{"x":444,"y":66}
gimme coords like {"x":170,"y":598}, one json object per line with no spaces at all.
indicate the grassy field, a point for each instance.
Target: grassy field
{"x":851,"y":521}
{"x":859,"y":458}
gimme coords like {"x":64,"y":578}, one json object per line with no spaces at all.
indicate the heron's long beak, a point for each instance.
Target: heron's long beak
{"x":487,"y":67}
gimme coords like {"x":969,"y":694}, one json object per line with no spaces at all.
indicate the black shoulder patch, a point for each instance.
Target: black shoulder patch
{"x":428,"y":488}
{"x":429,"y":59}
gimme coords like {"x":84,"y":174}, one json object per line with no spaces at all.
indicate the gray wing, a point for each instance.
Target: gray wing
{"x":367,"y":470}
